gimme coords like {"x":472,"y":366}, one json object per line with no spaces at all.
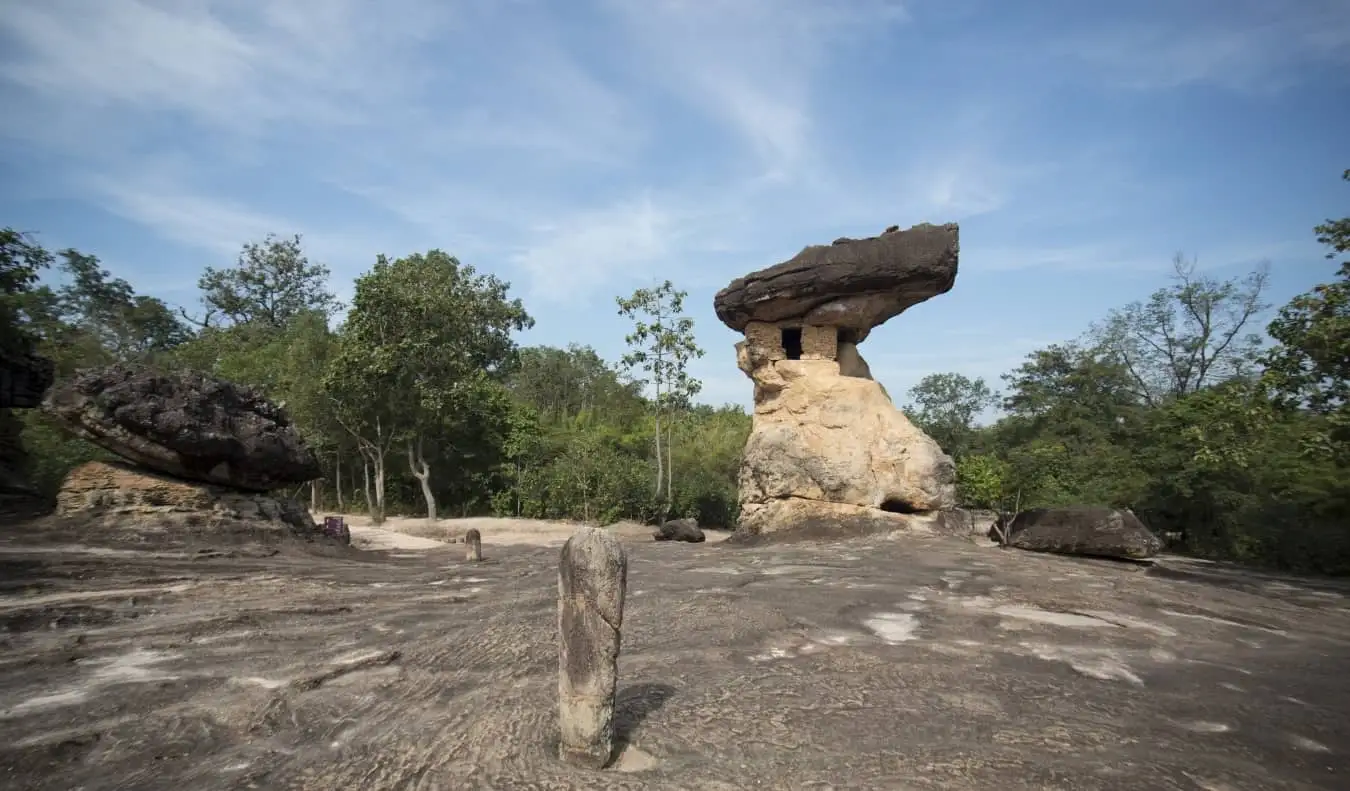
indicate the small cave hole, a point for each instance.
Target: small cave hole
{"x":792,"y":342}
{"x":899,"y":507}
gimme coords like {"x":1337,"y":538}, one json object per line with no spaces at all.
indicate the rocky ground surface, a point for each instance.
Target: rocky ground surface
{"x":871,"y":664}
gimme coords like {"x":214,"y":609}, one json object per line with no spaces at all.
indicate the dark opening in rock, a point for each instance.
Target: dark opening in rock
{"x":848,"y":335}
{"x":792,"y":342}
{"x":898,"y":507}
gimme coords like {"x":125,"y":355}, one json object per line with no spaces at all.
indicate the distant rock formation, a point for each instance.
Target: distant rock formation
{"x":829,"y":454}
{"x":201,"y":451}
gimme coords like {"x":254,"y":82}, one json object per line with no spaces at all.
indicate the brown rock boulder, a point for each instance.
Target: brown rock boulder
{"x":187,"y":425}
{"x":1084,"y":530}
{"x":129,"y":495}
{"x":852,"y":284}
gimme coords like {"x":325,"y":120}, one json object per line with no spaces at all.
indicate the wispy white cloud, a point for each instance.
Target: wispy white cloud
{"x":606,"y":141}
{"x":1238,"y":44}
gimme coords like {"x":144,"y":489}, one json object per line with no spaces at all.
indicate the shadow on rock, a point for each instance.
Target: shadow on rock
{"x":635,"y":704}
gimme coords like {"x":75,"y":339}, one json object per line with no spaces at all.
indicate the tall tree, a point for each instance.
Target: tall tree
{"x":427,"y":342}
{"x":946,"y":405}
{"x":22,"y":261}
{"x":1312,"y":361}
{"x":1192,"y":334}
{"x":270,"y":284}
{"x":661,"y":347}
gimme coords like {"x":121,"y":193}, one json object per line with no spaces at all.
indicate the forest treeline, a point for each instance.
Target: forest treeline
{"x":418,"y":399}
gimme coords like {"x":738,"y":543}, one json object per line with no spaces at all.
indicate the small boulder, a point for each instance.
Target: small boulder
{"x":1084,"y":530}
{"x":679,"y":530}
{"x":186,"y":424}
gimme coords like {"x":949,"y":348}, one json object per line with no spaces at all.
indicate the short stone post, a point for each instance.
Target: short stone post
{"x":592,"y":581}
{"x":473,"y":543}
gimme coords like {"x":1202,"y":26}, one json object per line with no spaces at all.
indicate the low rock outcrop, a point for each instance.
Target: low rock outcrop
{"x":1084,"y":530}
{"x":188,"y":425}
{"x":113,"y":489}
{"x":829,"y":454}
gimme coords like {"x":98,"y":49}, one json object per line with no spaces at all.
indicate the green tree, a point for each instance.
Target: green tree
{"x":427,"y":340}
{"x":22,"y":261}
{"x":662,"y":344}
{"x":270,"y":284}
{"x":1311,"y":361}
{"x":946,"y":405}
{"x":1192,"y":334}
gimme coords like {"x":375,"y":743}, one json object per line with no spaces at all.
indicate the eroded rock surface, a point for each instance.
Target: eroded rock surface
{"x":827,"y":445}
{"x":869,"y":664}
{"x":1084,"y":530}
{"x":121,"y":496}
{"x":188,"y":425}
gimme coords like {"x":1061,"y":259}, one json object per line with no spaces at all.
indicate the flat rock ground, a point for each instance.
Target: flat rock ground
{"x":902,"y":663}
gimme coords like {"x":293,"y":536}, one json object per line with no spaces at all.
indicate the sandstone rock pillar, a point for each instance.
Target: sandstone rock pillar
{"x":473,"y":545}
{"x":829,"y":454}
{"x":592,"y":582}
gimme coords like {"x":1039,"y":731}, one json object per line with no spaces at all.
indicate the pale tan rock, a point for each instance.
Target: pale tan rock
{"x":823,"y":438}
{"x":118,"y":490}
{"x":592,"y":584}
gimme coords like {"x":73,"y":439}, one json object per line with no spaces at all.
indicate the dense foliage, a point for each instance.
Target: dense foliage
{"x":420,"y":401}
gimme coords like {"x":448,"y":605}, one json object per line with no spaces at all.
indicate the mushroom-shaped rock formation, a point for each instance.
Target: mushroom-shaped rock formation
{"x":829,"y":454}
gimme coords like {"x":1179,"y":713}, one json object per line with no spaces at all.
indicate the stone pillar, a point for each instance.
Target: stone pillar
{"x":820,"y":343}
{"x":765,"y":341}
{"x":473,"y":545}
{"x":592,"y":582}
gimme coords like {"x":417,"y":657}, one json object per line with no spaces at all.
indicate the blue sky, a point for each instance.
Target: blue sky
{"x":584,"y":148}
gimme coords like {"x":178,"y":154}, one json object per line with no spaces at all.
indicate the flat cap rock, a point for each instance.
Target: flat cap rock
{"x":853,"y":284}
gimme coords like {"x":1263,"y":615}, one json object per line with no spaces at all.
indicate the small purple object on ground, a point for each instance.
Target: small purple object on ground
{"x":336,"y":527}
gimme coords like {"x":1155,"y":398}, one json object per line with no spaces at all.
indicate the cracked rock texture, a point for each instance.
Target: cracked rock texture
{"x":861,"y":664}
{"x":186,"y":424}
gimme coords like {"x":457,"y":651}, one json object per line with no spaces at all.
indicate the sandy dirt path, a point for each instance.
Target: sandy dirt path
{"x":412,"y":533}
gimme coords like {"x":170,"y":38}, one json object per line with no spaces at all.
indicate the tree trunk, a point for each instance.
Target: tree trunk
{"x":338,"y":483}
{"x":670,"y":469}
{"x":660,"y":468}
{"x":378,"y":517}
{"x":365,"y":473}
{"x":417,"y":462}
{"x":314,"y":495}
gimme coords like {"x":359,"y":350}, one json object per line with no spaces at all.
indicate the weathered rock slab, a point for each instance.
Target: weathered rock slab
{"x":120,"y":493}
{"x":853,"y":284}
{"x":1084,"y":530}
{"x":186,"y":424}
